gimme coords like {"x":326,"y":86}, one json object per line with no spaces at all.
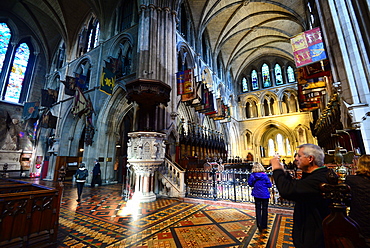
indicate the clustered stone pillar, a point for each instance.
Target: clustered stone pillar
{"x":152,"y":91}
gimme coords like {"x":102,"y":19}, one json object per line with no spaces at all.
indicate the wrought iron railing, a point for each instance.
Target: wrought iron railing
{"x":226,"y":185}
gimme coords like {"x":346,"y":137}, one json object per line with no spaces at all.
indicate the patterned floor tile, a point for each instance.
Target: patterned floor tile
{"x":104,"y":219}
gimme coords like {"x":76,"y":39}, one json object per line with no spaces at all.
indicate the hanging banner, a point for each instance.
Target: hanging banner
{"x":81,"y":81}
{"x":309,"y":92}
{"x":180,"y":82}
{"x":30,"y":110}
{"x":188,"y":82}
{"x":308,"y":47}
{"x":107,"y":81}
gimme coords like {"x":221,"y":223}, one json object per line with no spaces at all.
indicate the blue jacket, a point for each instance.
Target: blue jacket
{"x":260,"y":183}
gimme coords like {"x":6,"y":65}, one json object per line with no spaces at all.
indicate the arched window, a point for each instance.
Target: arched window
{"x":280,"y":144}
{"x":288,"y":147}
{"x":5,"y":35}
{"x":278,"y":75}
{"x":254,"y":80}
{"x":89,"y":36}
{"x":15,"y":83}
{"x":266,"y":76}
{"x":17,"y":73}
{"x":244,"y":85}
{"x":290,"y":73}
{"x":271,"y":148}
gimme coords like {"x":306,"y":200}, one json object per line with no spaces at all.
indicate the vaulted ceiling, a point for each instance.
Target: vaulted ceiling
{"x":242,"y":31}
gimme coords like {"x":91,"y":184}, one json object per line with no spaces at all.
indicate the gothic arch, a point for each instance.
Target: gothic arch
{"x":123,"y":42}
{"x":251,"y":107}
{"x":185,"y":55}
{"x":301,"y":132}
{"x":74,"y":127}
{"x":269,"y":104}
{"x":248,"y":141}
{"x":264,"y":131}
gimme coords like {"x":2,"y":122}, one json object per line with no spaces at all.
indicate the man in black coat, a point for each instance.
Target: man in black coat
{"x":96,"y":178}
{"x":310,"y":207}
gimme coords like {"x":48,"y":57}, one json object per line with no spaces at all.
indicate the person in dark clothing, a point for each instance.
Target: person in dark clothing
{"x":96,"y":174}
{"x":310,"y":207}
{"x":360,"y":200}
{"x":261,"y":184}
{"x":81,"y":176}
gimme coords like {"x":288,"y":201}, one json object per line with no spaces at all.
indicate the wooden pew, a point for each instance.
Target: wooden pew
{"x":29,"y":214}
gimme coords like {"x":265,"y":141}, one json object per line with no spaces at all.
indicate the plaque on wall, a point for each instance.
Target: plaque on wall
{"x":10,"y":157}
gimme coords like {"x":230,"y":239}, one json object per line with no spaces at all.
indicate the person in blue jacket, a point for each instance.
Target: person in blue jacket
{"x":261,"y":183}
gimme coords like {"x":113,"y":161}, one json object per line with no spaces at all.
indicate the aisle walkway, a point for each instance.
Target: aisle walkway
{"x":104,"y":219}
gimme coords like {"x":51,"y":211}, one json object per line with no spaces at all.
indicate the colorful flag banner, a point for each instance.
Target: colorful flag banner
{"x":80,"y":103}
{"x":308,"y":47}
{"x":49,"y":121}
{"x":114,"y":65}
{"x":180,"y":82}
{"x":81,"y":81}
{"x":107,"y":81}
{"x":188,"y":82}
{"x":30,"y":110}
{"x":211,"y":109}
{"x":48,"y":97}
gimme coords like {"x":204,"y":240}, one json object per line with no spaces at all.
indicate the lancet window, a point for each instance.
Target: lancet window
{"x":14,"y":65}
{"x":266,"y":76}
{"x":278,"y":75}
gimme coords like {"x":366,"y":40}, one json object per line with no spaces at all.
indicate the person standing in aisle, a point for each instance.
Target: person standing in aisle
{"x":310,"y":207}
{"x":96,"y":174}
{"x":81,"y":176}
{"x":261,"y":183}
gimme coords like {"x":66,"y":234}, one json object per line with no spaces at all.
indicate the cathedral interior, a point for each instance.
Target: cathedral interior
{"x":157,"y":90}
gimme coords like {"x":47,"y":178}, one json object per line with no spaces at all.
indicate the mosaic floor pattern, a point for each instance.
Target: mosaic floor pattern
{"x":104,"y":219}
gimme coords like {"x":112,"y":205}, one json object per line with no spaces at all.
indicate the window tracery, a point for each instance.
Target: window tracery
{"x":278,"y":75}
{"x":14,"y":65}
{"x":290,"y":74}
{"x":266,"y":76}
{"x":254,"y":77}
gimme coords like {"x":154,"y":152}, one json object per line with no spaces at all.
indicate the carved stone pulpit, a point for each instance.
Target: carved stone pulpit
{"x":145,"y":152}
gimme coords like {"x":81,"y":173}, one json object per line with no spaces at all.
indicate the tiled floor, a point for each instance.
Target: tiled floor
{"x":104,"y":219}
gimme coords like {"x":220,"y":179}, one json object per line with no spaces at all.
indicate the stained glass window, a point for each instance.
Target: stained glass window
{"x":16,"y":77}
{"x":266,"y":76}
{"x":245,"y":85}
{"x":278,"y":75}
{"x":5,"y":35}
{"x":254,"y":80}
{"x":290,"y":72}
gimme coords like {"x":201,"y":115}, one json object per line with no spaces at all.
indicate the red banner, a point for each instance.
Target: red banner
{"x":308,"y":47}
